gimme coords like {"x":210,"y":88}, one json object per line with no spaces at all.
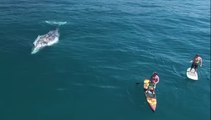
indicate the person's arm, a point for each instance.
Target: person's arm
{"x":158,"y":79}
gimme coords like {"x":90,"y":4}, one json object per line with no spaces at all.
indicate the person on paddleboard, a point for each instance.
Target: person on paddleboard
{"x":153,"y":81}
{"x":195,"y":62}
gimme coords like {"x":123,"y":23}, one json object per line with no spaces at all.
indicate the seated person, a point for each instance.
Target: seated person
{"x":153,"y":81}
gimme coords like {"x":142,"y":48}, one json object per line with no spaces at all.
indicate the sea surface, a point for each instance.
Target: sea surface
{"x":105,"y":48}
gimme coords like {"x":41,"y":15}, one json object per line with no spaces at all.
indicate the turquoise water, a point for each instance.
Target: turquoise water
{"x":105,"y":48}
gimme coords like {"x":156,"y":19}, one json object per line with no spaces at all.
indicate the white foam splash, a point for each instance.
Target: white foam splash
{"x":55,"y":22}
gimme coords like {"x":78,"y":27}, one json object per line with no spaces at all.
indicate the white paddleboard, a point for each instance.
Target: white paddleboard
{"x":193,"y":75}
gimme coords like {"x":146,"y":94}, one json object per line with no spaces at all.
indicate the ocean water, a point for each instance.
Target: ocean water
{"x":105,"y":48}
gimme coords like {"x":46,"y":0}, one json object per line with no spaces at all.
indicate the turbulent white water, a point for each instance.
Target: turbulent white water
{"x":39,"y":42}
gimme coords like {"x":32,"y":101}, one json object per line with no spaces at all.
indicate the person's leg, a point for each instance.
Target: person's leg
{"x":195,"y":67}
{"x":148,"y":89}
{"x":192,"y":66}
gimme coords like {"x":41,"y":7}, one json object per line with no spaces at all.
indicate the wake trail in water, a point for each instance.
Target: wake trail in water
{"x":59,"y":23}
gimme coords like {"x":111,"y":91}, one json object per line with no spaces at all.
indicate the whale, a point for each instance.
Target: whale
{"x":49,"y":39}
